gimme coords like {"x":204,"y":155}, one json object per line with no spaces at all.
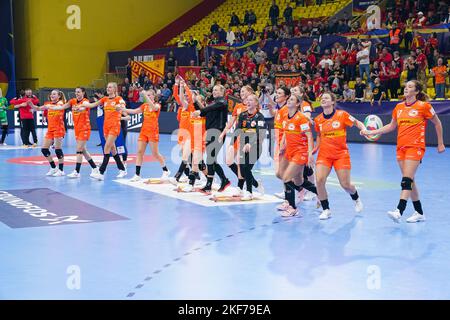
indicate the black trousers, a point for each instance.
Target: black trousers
{"x":213,"y":147}
{"x":27,"y":127}
{"x":270,"y":128}
{"x":247,"y":161}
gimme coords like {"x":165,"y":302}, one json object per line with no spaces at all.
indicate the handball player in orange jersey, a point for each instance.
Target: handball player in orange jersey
{"x":112,"y":108}
{"x":297,"y":144}
{"x":82,"y":127}
{"x":149,"y":133}
{"x":331,"y":127}
{"x":410,"y":117}
{"x":186,"y":106}
{"x":55,"y":131}
{"x":279,"y":110}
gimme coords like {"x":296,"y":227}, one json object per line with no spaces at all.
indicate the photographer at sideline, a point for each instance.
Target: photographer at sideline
{"x":267,"y":97}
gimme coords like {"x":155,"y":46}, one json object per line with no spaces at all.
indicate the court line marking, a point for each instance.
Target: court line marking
{"x":140,"y":285}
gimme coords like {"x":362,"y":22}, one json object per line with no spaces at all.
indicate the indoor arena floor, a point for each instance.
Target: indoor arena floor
{"x":152,"y":245}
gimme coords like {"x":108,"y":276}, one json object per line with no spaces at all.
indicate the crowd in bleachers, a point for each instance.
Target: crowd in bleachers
{"x":359,"y":70}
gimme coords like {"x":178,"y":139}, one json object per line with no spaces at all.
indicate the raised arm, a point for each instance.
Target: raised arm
{"x":60,"y":107}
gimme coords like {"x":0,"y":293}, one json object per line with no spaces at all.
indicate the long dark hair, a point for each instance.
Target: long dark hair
{"x":84,"y":92}
{"x":422,"y":96}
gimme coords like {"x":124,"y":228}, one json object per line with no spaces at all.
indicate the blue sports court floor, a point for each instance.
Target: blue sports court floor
{"x":147,"y":245}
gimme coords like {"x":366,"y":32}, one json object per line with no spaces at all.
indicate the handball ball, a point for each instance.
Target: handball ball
{"x":373,"y":122}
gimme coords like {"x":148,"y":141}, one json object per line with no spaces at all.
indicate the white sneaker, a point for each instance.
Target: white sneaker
{"x":4,"y":144}
{"x":260,"y":188}
{"x":188,"y":188}
{"x":59,"y":173}
{"x":359,"y":205}
{"x":136,"y":178}
{"x":279,"y":195}
{"x":165,"y":176}
{"x":395,"y":215}
{"x":184,"y":179}
{"x":94,"y":172}
{"x":416,"y":217}
{"x":289,"y":212}
{"x":247,"y":196}
{"x":98,"y":176}
{"x":122,"y":174}
{"x":284,"y":206}
{"x":173,"y":181}
{"x":326,"y":214}
{"x":309,"y":196}
{"x":73,"y":175}
{"x":51,"y":172}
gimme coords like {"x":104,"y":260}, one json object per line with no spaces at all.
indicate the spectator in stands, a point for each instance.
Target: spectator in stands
{"x":431,"y":45}
{"x":169,"y":80}
{"x":250,"y":34}
{"x":166,"y":93}
{"x":411,"y":67}
{"x":350,"y":68}
{"x":440,"y":73}
{"x":126,"y":84}
{"x":234,"y":21}
{"x":348,"y":94}
{"x":129,"y":68}
{"x":360,"y":90}
{"x":395,"y":37}
{"x":363,"y":58}
{"x":182,"y":42}
{"x":274,"y":13}
{"x":193,"y":42}
{"x":398,"y":60}
{"x":325,"y":60}
{"x":147,"y":83}
{"x":446,"y":16}
{"x":171,"y":62}
{"x":222,"y":36}
{"x":432,"y":18}
{"x":409,"y":31}
{"x":141,"y":77}
{"x":133,"y":94}
{"x":230,"y":36}
{"x":420,"y":20}
{"x":287,"y":14}
{"x":315,"y":48}
{"x":246,"y":18}
{"x":394,"y":79}
{"x":378,"y":92}
{"x":385,"y":74}
{"x":214,"y":27}
{"x":422,"y":63}
{"x":252,"y":18}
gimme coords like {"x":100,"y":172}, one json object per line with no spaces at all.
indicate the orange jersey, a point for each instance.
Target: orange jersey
{"x":112,"y":117}
{"x":55,"y":118}
{"x":198,"y":133}
{"x":238,"y":109}
{"x":184,"y":116}
{"x":412,"y":122}
{"x":306,"y":107}
{"x":295,"y":128}
{"x":279,"y":121}
{"x":333,"y":134}
{"x":81,"y":119}
{"x":150,"y":123}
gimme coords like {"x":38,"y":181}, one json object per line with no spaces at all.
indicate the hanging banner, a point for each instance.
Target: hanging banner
{"x":188,"y":72}
{"x":289,"y":80}
{"x":153,"y":69}
{"x":360,"y":6}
